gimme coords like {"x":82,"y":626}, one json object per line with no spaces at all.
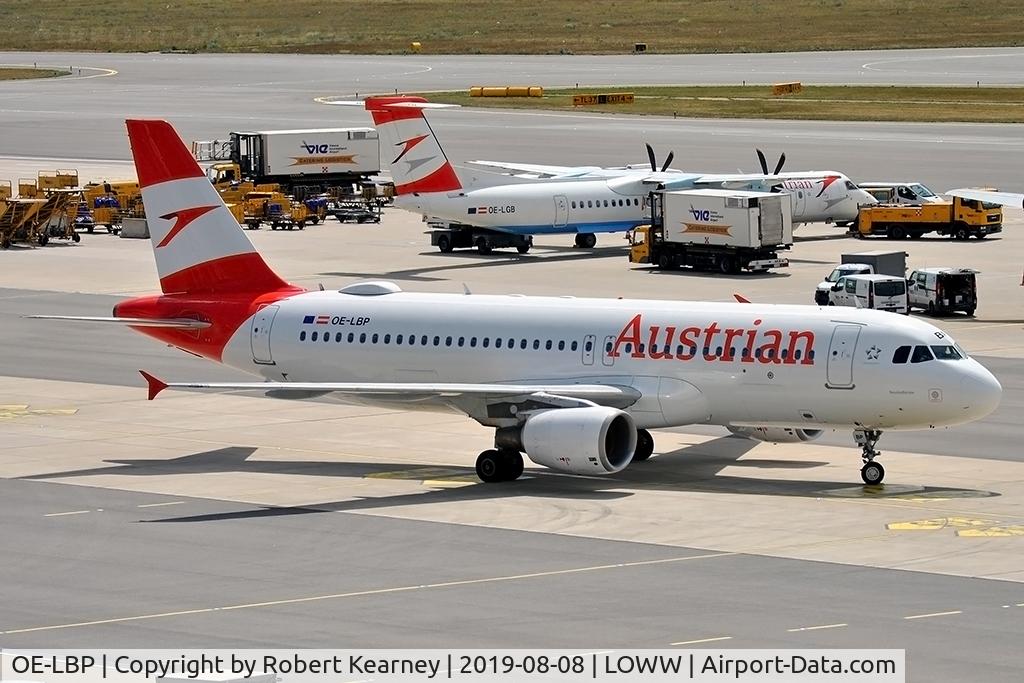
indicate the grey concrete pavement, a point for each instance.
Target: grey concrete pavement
{"x":206,"y":96}
{"x":328,"y":579}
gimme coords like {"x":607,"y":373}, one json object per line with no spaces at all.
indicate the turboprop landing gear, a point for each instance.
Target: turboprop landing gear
{"x":644,"y":445}
{"x":503,"y":464}
{"x":872,"y":472}
{"x":585,"y":240}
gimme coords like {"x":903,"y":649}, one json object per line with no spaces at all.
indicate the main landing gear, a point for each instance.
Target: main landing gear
{"x":644,"y":445}
{"x":502,"y":464}
{"x":872,"y":472}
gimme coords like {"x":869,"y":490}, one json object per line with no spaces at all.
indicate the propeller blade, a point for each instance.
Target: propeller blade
{"x":650,"y":155}
{"x":778,"y":166}
{"x":764,"y":162}
{"x":668,"y":160}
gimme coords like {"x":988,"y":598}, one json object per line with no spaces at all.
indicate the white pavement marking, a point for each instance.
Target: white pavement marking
{"x":73,"y":512}
{"x":703,"y":640}
{"x":935,"y":614}
{"x":159,"y":505}
{"x":378,"y":591}
{"x":815,"y":628}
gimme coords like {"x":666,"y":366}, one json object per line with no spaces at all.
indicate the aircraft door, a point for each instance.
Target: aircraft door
{"x":799,"y":205}
{"x":840,"y":356}
{"x":262,"y":323}
{"x":606,"y":350}
{"x":561,"y":211}
{"x":588,"y":349}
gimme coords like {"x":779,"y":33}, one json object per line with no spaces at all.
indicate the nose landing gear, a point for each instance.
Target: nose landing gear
{"x":872,"y":472}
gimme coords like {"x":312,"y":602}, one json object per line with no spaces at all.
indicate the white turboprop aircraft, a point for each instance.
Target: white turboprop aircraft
{"x":580,"y":200}
{"x":574,"y":383}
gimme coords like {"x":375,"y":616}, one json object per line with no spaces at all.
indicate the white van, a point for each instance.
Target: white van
{"x":884,"y":292}
{"x":944,"y":290}
{"x":900,"y":192}
{"x":821,"y":292}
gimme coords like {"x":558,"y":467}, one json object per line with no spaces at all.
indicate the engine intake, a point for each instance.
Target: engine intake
{"x":777,"y":434}
{"x":592,"y":440}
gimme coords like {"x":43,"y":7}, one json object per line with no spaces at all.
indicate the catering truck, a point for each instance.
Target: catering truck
{"x":725,"y":230}
{"x":299,"y":162}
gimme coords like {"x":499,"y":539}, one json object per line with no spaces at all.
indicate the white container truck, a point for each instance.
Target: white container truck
{"x":315,"y":160}
{"x":725,"y":230}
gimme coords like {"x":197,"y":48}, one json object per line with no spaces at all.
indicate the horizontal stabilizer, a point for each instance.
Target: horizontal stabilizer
{"x":175,"y":323}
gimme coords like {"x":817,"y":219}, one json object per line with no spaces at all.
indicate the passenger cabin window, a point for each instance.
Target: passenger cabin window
{"x":302,"y":336}
{"x":315,"y":335}
{"x":921,"y":354}
{"x":901,"y":355}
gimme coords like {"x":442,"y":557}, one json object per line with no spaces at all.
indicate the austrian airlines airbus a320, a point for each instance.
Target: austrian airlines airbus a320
{"x":574,"y":383}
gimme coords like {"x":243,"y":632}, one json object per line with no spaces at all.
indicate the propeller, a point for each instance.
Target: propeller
{"x":764,"y":163}
{"x":654,"y":161}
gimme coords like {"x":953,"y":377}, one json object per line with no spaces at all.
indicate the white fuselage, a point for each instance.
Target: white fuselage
{"x":796,"y":366}
{"x":613,"y":204}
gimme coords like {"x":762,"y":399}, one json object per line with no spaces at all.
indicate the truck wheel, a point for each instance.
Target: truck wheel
{"x":981,"y":234}
{"x":444,"y":244}
{"x":969,"y":312}
{"x":665,"y":262}
{"x":90,"y":229}
{"x":44,"y":239}
{"x":916,"y":234}
{"x":896,"y":232}
{"x":314,"y":220}
{"x":961,"y":233}
{"x":482,"y":246}
{"x":523,"y":248}
{"x":727,"y":265}
{"x":931,"y":308}
{"x":75,"y":237}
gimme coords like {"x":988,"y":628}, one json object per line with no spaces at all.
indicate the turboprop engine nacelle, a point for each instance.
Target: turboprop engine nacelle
{"x":777,"y":434}
{"x":592,"y":440}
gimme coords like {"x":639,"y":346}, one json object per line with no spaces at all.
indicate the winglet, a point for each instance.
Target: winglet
{"x":155,"y":385}
{"x":740,"y":298}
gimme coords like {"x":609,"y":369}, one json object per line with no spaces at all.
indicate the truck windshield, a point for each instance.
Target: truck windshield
{"x":890,"y":288}
{"x":921,"y":190}
{"x":988,"y":206}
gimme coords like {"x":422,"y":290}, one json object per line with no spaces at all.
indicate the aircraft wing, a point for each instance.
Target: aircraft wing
{"x":992,"y":196}
{"x":538,"y":171}
{"x":484,"y":402}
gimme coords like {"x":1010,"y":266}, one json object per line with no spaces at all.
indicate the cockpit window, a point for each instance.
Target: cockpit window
{"x":850,"y":185}
{"x":921,"y":354}
{"x":901,"y":355}
{"x":946,"y":353}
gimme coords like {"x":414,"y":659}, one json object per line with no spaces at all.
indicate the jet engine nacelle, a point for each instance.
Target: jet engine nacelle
{"x":777,"y":434}
{"x":592,"y":440}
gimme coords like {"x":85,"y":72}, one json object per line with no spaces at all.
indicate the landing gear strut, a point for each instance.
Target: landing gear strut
{"x":872,"y":472}
{"x":503,"y":464}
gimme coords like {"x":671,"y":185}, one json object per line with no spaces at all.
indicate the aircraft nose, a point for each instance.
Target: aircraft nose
{"x":980,"y":392}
